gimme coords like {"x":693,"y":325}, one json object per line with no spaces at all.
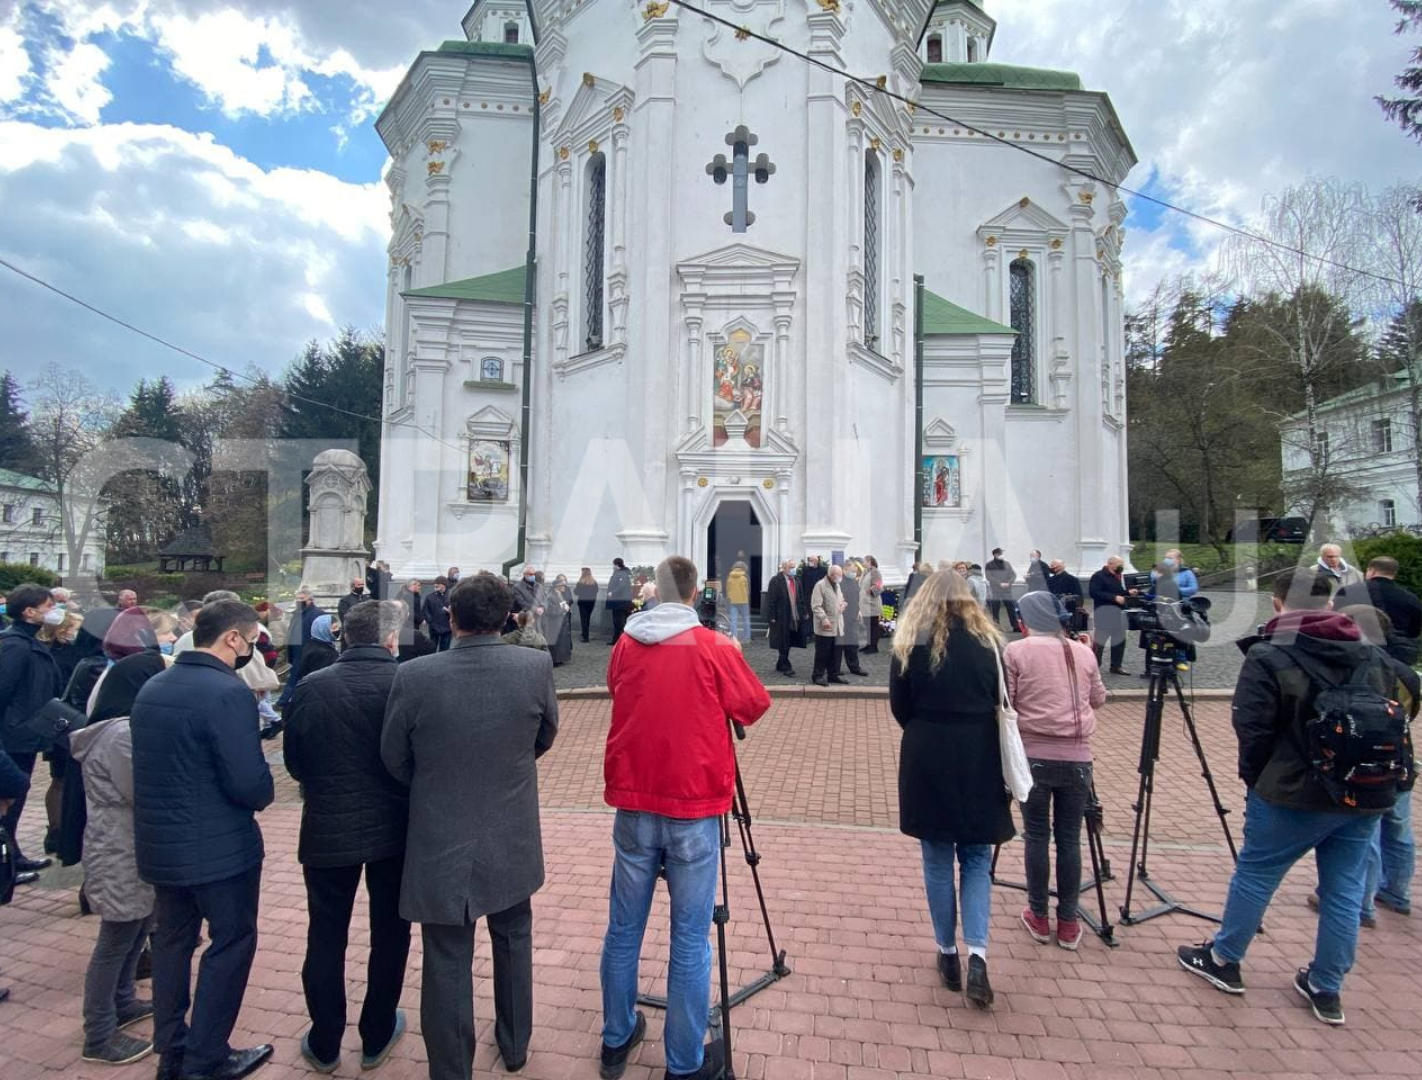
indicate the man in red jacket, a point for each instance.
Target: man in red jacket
{"x":670,"y":773}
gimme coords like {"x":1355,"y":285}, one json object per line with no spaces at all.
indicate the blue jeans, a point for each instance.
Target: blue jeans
{"x":690,"y":850}
{"x":740,"y":621}
{"x":1397,"y":854}
{"x":975,"y":861}
{"x":1276,"y":837}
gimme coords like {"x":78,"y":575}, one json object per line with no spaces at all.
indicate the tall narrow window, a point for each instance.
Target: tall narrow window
{"x":510,"y":33}
{"x":871,"y":250}
{"x":593,"y":250}
{"x":1388,"y":510}
{"x":935,"y":49}
{"x":1023,"y":290}
{"x":972,"y":50}
{"x":1382,"y":436}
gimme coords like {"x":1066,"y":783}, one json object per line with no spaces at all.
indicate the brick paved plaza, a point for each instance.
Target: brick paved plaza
{"x":846,"y":900}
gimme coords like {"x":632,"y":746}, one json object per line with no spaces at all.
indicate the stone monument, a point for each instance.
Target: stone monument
{"x":335,"y":554}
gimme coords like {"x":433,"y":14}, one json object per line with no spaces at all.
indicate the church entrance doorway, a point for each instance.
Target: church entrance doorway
{"x":733,"y":536}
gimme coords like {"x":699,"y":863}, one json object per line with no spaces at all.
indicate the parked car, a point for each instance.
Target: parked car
{"x":1269,"y":530}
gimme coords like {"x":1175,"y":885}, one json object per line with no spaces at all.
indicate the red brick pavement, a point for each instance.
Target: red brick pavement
{"x":845,"y":897}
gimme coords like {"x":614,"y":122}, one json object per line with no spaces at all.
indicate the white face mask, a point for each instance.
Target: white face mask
{"x":53,"y":617}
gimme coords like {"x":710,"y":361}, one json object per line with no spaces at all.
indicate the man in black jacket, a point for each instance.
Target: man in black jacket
{"x":1397,"y":603}
{"x":1108,"y":600}
{"x":1288,"y":812}
{"x":351,"y":599}
{"x":298,"y":633}
{"x":436,"y":612}
{"x":1000,"y":576}
{"x":619,"y":597}
{"x":29,"y":678}
{"x":199,"y":778}
{"x":353,"y":818}
{"x":1067,"y":588}
{"x":783,"y":613}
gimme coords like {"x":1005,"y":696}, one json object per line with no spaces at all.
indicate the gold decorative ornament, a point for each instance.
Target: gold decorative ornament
{"x":436,"y":167}
{"x":832,"y":6}
{"x":1100,"y":253}
{"x":701,"y":481}
{"x":437,"y":146}
{"x":874,"y":143}
{"x":545,"y":97}
{"x":618,"y":114}
{"x":856,"y":108}
{"x":592,"y":146}
{"x":992,"y":241}
{"x":563,"y":153}
{"x":1057,"y":244}
{"x":1024,"y":254}
{"x":654,"y":11}
{"x":768,"y":483}
{"x":1026,"y":202}
{"x":742,"y":33}
{"x":882,"y":81}
{"x":1087,"y":197}
{"x":589,"y":79}
{"x":898,"y":154}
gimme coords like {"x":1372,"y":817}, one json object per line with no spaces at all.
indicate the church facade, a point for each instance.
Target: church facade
{"x":652,"y":290}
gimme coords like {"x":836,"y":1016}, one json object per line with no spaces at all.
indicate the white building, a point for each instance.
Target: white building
{"x":31,"y":530}
{"x":718,"y":348}
{"x":1366,"y":435}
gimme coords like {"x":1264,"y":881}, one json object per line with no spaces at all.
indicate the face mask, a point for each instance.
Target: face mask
{"x":358,"y":590}
{"x":245,"y":658}
{"x":530,"y":578}
{"x":53,"y":617}
{"x":166,"y":648}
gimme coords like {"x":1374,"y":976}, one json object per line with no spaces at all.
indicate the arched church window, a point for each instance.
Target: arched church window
{"x":510,"y":33}
{"x":871,"y":249}
{"x":594,"y":250}
{"x":491,"y":369}
{"x":972,"y":50}
{"x":935,"y":49}
{"x":1023,"y":296}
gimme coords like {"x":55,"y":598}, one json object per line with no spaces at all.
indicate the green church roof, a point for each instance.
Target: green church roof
{"x":942,"y":316}
{"x":1009,"y":76}
{"x":504,"y":287}
{"x":487,"y":48}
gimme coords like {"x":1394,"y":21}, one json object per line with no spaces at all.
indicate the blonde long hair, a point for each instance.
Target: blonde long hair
{"x":927,"y":620}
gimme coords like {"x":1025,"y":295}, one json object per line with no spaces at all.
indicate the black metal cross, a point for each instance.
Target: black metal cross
{"x":740,"y":169}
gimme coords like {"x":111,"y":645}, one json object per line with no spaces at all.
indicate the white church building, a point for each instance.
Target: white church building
{"x":652,"y":291}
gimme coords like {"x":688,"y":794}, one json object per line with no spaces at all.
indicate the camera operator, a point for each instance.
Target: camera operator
{"x":1292,"y":807}
{"x":1108,"y":598}
{"x":1067,"y":589}
{"x":670,"y":773}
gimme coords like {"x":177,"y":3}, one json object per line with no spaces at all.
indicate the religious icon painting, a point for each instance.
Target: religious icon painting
{"x":738,"y":386}
{"x":489,"y":471}
{"x":942,"y":481}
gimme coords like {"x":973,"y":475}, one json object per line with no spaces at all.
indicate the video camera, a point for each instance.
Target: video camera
{"x":1169,"y":629}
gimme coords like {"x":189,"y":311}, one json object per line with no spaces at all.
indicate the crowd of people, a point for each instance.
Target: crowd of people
{"x":420,"y":777}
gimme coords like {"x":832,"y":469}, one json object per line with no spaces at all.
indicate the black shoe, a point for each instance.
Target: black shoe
{"x":375,"y":1060}
{"x":838,"y":681}
{"x":513,"y":1064}
{"x":118,"y":1050}
{"x":31,"y":866}
{"x":271,"y":731}
{"x":239,"y":1063}
{"x":139,"y":1010}
{"x":979,"y":989}
{"x":951,"y":971}
{"x":29,"y":877}
{"x":869,"y":652}
{"x":1200,"y":960}
{"x":819,"y":680}
{"x":4,"y":994}
{"x":1119,"y":671}
{"x":170,"y":1066}
{"x":860,"y":672}
{"x":789,"y":673}
{"x":713,"y":1065}
{"x":85,"y":908}
{"x":1327,"y":1007}
{"x":51,"y":842}
{"x":614,"y":1058}
{"x":144,"y":971}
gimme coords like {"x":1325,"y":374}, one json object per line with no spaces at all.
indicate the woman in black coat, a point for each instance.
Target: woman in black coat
{"x":320,"y":650}
{"x":943,"y":690}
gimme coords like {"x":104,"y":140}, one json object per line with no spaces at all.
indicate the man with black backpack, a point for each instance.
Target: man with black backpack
{"x":1324,"y":749}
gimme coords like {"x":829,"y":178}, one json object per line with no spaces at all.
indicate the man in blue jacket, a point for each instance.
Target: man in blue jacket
{"x":199,"y":777}
{"x":29,"y":678}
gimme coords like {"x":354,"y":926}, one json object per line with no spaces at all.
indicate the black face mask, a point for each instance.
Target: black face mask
{"x":358,"y":591}
{"x":246,"y":658}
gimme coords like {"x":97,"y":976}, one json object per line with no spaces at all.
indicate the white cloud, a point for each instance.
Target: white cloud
{"x":14,"y":65}
{"x":75,"y":82}
{"x":181,"y":236}
{"x":221,"y":54}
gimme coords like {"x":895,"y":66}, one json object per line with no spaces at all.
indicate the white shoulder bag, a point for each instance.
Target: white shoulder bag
{"x":1016,"y":771}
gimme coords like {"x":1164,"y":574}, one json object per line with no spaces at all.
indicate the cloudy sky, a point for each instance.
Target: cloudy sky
{"x":209,"y":170}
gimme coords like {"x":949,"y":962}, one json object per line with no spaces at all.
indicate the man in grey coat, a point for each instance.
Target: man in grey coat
{"x":463,"y":728}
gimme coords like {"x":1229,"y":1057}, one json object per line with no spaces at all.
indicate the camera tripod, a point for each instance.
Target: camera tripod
{"x":721,"y":915}
{"x":1100,"y":873}
{"x":1160,"y":663}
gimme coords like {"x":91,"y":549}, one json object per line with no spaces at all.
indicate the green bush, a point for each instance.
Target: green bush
{"x":1404,"y":547}
{"x":12,"y":574}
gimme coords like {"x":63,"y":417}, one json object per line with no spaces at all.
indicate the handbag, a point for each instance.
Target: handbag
{"x":1016,"y":770}
{"x":7,"y":867}
{"x":54,"y":720}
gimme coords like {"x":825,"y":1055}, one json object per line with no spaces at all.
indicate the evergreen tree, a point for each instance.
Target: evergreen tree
{"x":18,"y":452}
{"x":146,"y":505}
{"x":1406,"y":110}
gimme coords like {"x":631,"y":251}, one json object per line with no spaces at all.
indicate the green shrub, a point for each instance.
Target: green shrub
{"x":12,"y":574}
{"x":1404,"y":547}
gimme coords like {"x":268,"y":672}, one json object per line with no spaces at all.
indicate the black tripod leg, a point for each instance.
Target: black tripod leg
{"x":742,"y":815}
{"x":1100,"y":870}
{"x":720,"y":916}
{"x":1209,"y":777}
{"x":1139,"y":806}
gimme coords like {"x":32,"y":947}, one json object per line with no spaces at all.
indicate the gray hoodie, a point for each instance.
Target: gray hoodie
{"x":663,"y":622}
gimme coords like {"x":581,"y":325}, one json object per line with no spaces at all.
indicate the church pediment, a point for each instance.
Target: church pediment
{"x":1024,"y":217}
{"x":752,"y":266}
{"x":489,"y":423}
{"x":740,"y":256}
{"x":592,"y":107}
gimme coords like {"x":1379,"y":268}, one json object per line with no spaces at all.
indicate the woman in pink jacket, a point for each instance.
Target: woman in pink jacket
{"x":1054,"y":683}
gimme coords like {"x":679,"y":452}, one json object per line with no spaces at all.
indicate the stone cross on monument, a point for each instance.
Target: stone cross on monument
{"x":739,"y":170}
{"x":335,"y":553}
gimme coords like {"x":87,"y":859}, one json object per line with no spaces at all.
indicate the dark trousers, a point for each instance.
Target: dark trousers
{"x":619,"y":618}
{"x":846,"y":658}
{"x":1055,"y":810}
{"x":782,"y":654}
{"x":585,"y":610}
{"x":230,"y":909}
{"x":293,"y":660}
{"x":996,"y":606}
{"x":875,"y":631}
{"x":826,"y":657}
{"x":1111,"y":629}
{"x":447,"y":991}
{"x":330,"y":899}
{"x":11,"y":819}
{"x":441,"y":641}
{"x":108,"y":982}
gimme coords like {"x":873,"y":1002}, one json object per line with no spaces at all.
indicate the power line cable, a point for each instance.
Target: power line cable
{"x":101,"y":313}
{"x":744,"y":32}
